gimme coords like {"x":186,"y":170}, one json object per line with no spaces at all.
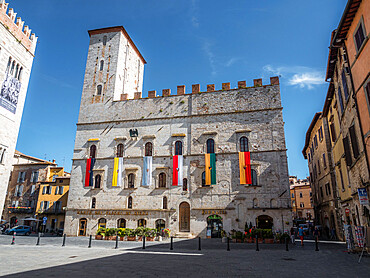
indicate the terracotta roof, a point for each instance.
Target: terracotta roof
{"x":117,"y":29}
{"x":341,"y":33}
{"x":308,"y":133}
{"x":34,"y":158}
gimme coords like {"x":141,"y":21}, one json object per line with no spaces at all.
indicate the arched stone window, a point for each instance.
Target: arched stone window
{"x":99,"y":89}
{"x":131,"y":181}
{"x":185,"y":184}
{"x":129,"y":202}
{"x":121,"y":223}
{"x":120,"y":150}
{"x":162,"y":180}
{"x":255,"y":203}
{"x":141,"y":223}
{"x":20,"y":74}
{"x":148,"y":149}
{"x":97,"y":181}
{"x":92,"y":151}
{"x":178,"y":148}
{"x":160,"y":225}
{"x":164,"y":202}
{"x":12,"y":69}
{"x":105,"y":40}
{"x":204,"y":179}
{"x":254,"y":177}
{"x":244,"y":144}
{"x":16,"y":71}
{"x":93,"y":203}
{"x":102,"y":223}
{"x":210,"y":146}
{"x":101,"y":65}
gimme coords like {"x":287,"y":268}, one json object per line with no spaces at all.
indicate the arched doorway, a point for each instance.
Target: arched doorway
{"x":160,"y":225}
{"x":82,"y":228}
{"x":184,"y":211}
{"x":264,"y":222}
{"x":214,"y":226}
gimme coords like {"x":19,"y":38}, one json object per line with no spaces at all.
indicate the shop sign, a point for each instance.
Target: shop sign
{"x":362,"y":195}
{"x":213,"y":212}
{"x":347,"y":211}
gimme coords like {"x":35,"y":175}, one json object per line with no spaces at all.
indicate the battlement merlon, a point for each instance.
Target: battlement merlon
{"x":115,"y":30}
{"x":210,"y":88}
{"x":15,"y":27}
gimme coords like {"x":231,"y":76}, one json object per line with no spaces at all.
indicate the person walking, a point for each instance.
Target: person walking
{"x":332,"y":234}
{"x":292,"y":235}
{"x":301,"y":234}
{"x":316,"y":233}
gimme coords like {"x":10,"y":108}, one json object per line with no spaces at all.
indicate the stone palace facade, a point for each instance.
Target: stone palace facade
{"x":174,"y":161}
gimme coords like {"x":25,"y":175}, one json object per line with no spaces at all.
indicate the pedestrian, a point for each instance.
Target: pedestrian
{"x":332,"y":234}
{"x":301,"y":234}
{"x":292,"y":235}
{"x":316,"y":233}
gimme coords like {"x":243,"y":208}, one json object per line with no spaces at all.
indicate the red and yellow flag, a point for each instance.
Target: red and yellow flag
{"x":245,"y":168}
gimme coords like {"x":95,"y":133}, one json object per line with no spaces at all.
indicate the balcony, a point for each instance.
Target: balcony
{"x":51,"y":211}
{"x":20,"y":209}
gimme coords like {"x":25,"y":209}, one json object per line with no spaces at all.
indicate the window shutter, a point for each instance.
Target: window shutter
{"x":56,"y":190}
{"x":41,"y":205}
{"x":33,"y":188}
{"x":16,"y":203}
{"x":347,"y":151}
{"x":47,"y":204}
{"x":44,"y":190}
{"x":352,"y":133}
{"x":20,"y":190}
{"x":19,"y":177}
{"x":61,"y":188}
{"x":16,"y":190}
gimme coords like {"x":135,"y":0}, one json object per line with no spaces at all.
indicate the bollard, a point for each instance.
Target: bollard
{"x":199,"y":244}
{"x":90,"y":242}
{"x":317,"y":244}
{"x":143,"y":242}
{"x":257,"y":248}
{"x":228,"y":244}
{"x":116,"y":247}
{"x":64,"y":240}
{"x":171,"y":246}
{"x":13,"y":240}
{"x":286,"y":245}
{"x":38,"y":239}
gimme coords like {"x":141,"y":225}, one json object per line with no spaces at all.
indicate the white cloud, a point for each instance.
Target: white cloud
{"x":206,"y":46}
{"x":231,"y":61}
{"x":194,"y":13}
{"x":304,"y":77}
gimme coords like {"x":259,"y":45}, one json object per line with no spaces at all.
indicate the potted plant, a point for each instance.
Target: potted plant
{"x":114,"y":233}
{"x":140,"y":231}
{"x":167,"y":232}
{"x":100,"y":233}
{"x":150,"y":234}
{"x":131,"y":236}
{"x":121,"y":233}
{"x":268,"y":236}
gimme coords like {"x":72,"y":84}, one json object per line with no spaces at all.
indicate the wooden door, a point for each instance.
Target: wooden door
{"x":184,"y":217}
{"x":82,"y":229}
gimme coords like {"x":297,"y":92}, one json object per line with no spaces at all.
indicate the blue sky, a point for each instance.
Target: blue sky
{"x":184,"y":42}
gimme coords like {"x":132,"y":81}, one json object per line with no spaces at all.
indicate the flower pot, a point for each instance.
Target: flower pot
{"x":121,"y":238}
{"x":239,"y":240}
{"x":149,"y":238}
{"x":106,"y":237}
{"x":139,"y":238}
{"x":131,"y":238}
{"x":112,"y":237}
{"x":234,"y":240}
{"x":250,"y":240}
{"x":98,"y":237}
{"x":269,"y":240}
{"x":158,"y":238}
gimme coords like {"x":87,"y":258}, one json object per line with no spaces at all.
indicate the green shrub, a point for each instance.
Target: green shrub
{"x":140,"y":231}
{"x":101,"y":231}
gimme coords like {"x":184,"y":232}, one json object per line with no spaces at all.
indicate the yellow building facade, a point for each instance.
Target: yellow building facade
{"x":52,"y":200}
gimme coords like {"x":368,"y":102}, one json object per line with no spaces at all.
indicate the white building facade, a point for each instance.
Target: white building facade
{"x":17,"y":48}
{"x":117,"y":126}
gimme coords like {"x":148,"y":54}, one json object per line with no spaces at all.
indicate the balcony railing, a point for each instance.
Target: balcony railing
{"x":21,"y":209}
{"x":51,"y":211}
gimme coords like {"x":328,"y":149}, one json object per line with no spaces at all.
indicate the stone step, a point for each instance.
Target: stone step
{"x":184,"y":235}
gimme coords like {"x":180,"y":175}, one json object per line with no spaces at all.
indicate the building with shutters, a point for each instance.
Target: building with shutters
{"x":52,"y":201}
{"x":194,"y":162}
{"x":346,"y":113}
{"x":22,"y":190}
{"x":301,"y":198}
{"x":17,"y":50}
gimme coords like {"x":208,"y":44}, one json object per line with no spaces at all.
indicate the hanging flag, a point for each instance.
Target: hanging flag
{"x":91,"y":183}
{"x":117,"y":171}
{"x":245,"y":168}
{"x":147,"y":171}
{"x":210,"y":168}
{"x":89,"y":178}
{"x":177,"y":171}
